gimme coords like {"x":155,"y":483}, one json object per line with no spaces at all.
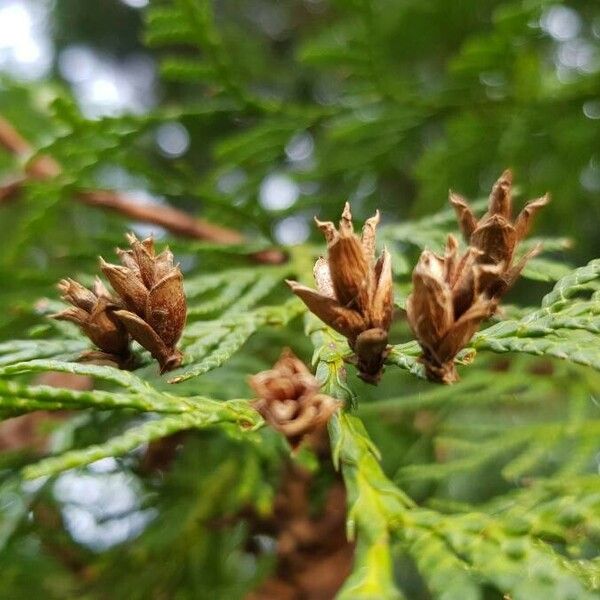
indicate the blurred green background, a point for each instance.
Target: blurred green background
{"x":388,"y":104}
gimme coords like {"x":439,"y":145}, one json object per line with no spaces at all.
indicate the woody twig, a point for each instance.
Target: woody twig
{"x":171,"y":219}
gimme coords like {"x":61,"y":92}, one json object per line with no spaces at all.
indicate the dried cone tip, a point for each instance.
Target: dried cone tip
{"x":496,"y":234}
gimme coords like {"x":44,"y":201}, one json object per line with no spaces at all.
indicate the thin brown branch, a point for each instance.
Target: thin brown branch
{"x":171,"y":219}
{"x":12,"y":140}
{"x":168,"y":217}
{"x":314,"y":556}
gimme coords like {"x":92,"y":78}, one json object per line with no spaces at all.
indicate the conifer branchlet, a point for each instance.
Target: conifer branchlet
{"x":354,"y":292}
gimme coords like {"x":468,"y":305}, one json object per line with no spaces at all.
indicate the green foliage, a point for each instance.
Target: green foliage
{"x":458,"y":553}
{"x":565,"y":327}
{"x":204,"y":413}
{"x":485,"y":489}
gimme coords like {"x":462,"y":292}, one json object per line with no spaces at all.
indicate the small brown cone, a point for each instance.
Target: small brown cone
{"x":447,"y":305}
{"x":154,"y":306}
{"x":289,"y":400}
{"x":354,"y":292}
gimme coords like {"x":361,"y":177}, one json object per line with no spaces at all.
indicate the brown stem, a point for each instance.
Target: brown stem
{"x":314,"y":557}
{"x":12,"y":140}
{"x":172,"y":219}
{"x":168,"y":217}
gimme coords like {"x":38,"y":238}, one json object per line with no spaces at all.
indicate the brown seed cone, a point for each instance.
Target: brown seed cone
{"x":154,"y":306}
{"x":447,"y":305}
{"x":94,"y":312}
{"x":288,"y":399}
{"x":496,"y":234}
{"x":354,"y":292}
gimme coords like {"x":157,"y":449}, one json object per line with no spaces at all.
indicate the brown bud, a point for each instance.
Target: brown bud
{"x":447,"y":304}
{"x":151,"y":289}
{"x":94,"y":312}
{"x":289,"y":399}
{"x":496,"y":235}
{"x":355,"y":292}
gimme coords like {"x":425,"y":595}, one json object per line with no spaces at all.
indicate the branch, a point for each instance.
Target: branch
{"x":172,"y":219}
{"x":12,"y":140}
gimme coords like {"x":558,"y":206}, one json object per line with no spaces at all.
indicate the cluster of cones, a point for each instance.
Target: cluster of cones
{"x":148,"y":306}
{"x":452,"y":294}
